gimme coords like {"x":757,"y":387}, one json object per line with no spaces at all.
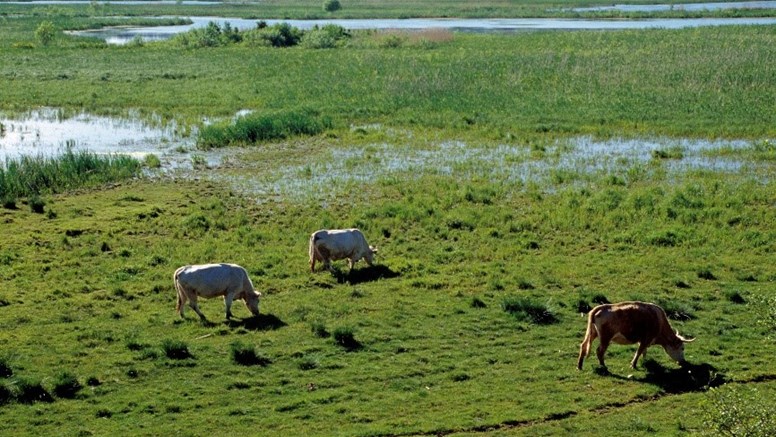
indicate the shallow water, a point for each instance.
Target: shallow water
{"x":48,"y":132}
{"x":573,"y":161}
{"x":576,"y":160}
{"x":123,"y":35}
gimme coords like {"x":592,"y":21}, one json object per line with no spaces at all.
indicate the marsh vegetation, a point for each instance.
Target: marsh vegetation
{"x":471,"y":320}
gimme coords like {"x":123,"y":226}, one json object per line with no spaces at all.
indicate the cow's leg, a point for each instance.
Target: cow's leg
{"x":181,"y":303}
{"x":601,"y":350}
{"x":195,"y":307}
{"x":228,"y":298}
{"x":327,"y":265}
{"x":641,"y":350}
{"x":351,"y":263}
{"x":584,"y":348}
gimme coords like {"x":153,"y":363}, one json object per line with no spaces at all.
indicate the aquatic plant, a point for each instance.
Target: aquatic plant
{"x":31,"y":176}
{"x":256,"y":128}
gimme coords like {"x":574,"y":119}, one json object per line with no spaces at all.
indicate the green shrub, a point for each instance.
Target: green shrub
{"x":331,"y":5}
{"x":66,"y":386}
{"x":738,"y":411}
{"x":212,"y":35}
{"x":45,"y":32}
{"x":325,"y":37}
{"x":525,"y":309}
{"x":277,"y":35}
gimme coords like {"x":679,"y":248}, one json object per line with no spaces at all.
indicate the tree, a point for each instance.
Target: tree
{"x":45,"y":32}
{"x":331,"y":5}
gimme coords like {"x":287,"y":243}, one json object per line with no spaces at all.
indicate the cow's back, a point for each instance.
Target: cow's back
{"x":636,"y":321}
{"x":211,"y":278}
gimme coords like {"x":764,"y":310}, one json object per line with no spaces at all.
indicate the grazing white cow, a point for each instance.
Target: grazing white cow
{"x":210,"y":280}
{"x":629,"y":323}
{"x":336,"y":244}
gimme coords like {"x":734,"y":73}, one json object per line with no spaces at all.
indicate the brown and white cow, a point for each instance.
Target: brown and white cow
{"x":211,"y":280}
{"x":336,"y":244}
{"x":629,"y":323}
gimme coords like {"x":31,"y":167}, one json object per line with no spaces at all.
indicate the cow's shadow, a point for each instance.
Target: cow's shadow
{"x":688,"y":378}
{"x":366,"y":274}
{"x":262,"y":322}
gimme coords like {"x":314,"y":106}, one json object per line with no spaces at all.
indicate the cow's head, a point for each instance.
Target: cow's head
{"x":370,"y":255}
{"x":252,"y":302}
{"x":675,"y":348}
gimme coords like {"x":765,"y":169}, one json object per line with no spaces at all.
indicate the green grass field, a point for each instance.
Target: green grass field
{"x":425,"y":153}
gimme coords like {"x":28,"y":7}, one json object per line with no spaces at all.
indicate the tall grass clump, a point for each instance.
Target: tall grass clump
{"x":30,"y":176}
{"x":257,"y":128}
{"x":66,"y":386}
{"x":528,"y":310}
{"x":245,"y":355}
{"x":176,"y":349}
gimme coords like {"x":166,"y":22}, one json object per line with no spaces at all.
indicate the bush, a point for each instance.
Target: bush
{"x":245,"y":355}
{"x":739,"y":411}
{"x":66,"y":386}
{"x":325,"y":37}
{"x":45,"y":32}
{"x":528,"y":310}
{"x":176,"y":349}
{"x":331,"y":5}
{"x":212,"y":35}
{"x":277,"y":35}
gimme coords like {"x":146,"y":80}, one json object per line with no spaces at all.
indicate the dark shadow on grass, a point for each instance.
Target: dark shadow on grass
{"x":685,"y":379}
{"x":367,"y":274}
{"x":262,"y":322}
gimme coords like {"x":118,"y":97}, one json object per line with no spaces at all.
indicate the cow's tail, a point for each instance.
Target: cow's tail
{"x":590,"y":334}
{"x":178,"y":289}
{"x":312,"y":250}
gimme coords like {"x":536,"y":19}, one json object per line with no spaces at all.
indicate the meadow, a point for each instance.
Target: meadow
{"x":471,"y":321}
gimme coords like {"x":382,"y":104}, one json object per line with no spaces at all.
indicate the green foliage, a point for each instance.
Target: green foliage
{"x":278,"y":35}
{"x":739,"y":411}
{"x":529,"y":310}
{"x":256,"y":128}
{"x":212,"y":35}
{"x":331,"y":5}
{"x":45,"y":32}
{"x":328,"y":36}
